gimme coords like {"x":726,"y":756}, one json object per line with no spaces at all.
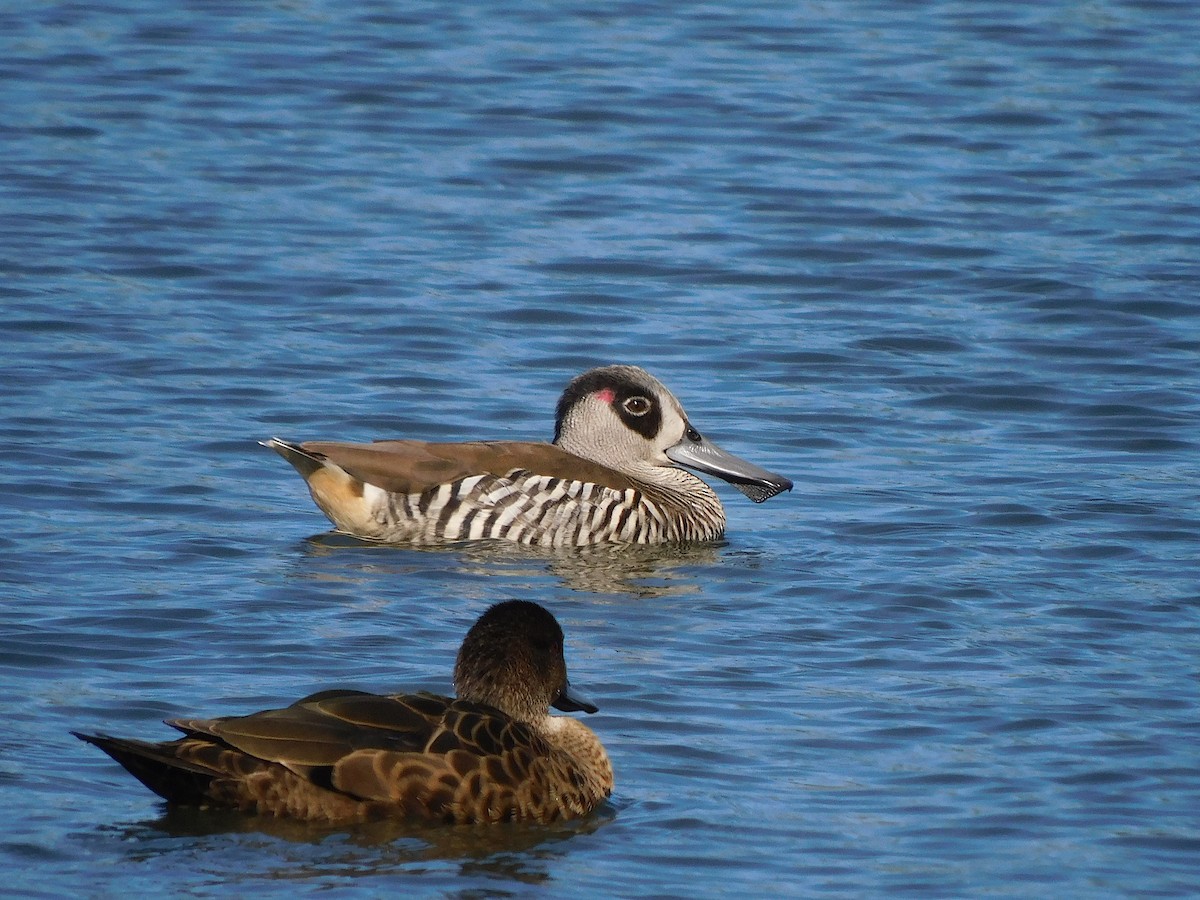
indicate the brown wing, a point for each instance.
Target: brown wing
{"x":418,"y":756}
{"x":346,"y":755}
{"x":321,"y":729}
{"x":481,"y":766}
{"x":500,"y":771}
{"x":412,"y":467}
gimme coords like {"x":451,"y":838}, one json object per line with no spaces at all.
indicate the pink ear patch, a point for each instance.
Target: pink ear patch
{"x":606,"y":395}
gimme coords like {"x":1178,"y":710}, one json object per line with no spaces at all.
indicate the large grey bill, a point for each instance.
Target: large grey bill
{"x":699,"y":453}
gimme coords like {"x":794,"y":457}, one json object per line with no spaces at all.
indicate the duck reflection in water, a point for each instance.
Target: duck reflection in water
{"x":641,"y":572}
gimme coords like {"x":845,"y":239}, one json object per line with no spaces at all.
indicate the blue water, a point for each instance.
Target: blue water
{"x":936,"y":262}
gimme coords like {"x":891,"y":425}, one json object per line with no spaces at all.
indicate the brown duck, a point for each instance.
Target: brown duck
{"x":495,"y":754}
{"x":612,"y":474}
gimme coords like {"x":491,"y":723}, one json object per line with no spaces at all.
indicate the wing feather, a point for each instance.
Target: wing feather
{"x":413,"y":467}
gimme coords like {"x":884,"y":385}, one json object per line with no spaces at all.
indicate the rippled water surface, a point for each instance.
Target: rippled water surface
{"x":937,"y":262}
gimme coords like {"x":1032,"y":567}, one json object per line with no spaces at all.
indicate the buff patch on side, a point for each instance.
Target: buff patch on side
{"x":347,"y":502}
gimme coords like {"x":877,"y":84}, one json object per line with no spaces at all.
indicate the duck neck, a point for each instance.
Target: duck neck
{"x":692,"y":508}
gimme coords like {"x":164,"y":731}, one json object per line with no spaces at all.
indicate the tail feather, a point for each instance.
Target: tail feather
{"x":304,"y":462}
{"x":156,"y":766}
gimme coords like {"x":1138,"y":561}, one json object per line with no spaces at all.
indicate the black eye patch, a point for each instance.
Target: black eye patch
{"x":641,"y":413}
{"x":599,"y":381}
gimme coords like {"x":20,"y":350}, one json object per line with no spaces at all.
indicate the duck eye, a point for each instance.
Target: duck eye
{"x":693,"y":435}
{"x":637,"y":406}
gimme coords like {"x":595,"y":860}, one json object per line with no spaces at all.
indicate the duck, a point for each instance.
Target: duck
{"x":493,"y":753}
{"x":612,"y":474}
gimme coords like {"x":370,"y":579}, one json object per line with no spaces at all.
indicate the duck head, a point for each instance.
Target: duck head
{"x":626,"y":419}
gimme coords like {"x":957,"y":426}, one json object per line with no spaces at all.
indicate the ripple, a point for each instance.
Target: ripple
{"x":940,"y":269}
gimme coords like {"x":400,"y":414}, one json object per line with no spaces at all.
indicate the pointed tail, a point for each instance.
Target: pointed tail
{"x":304,"y":462}
{"x":157,"y":767}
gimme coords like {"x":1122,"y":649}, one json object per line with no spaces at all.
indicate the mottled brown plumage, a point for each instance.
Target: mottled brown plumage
{"x":612,"y":475}
{"x":492,"y":755}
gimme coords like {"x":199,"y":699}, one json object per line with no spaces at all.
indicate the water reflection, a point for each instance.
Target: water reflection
{"x":642,"y":572}
{"x":307,"y":851}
